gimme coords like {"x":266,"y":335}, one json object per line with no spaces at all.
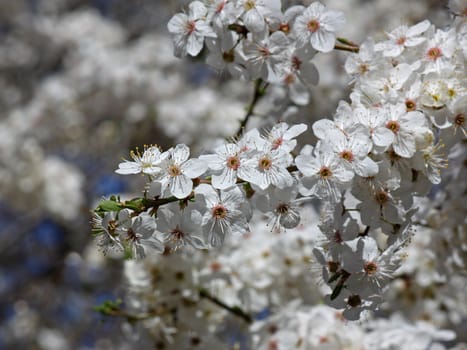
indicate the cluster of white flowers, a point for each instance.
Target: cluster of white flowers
{"x":370,"y":169}
{"x":254,"y":39}
{"x":369,"y":163}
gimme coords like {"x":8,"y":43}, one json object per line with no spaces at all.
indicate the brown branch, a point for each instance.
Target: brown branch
{"x":259,"y":92}
{"x":346,"y":48}
{"x":203,"y":293}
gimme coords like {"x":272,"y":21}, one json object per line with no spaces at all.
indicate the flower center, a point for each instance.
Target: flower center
{"x":174,"y":170}
{"x":277,"y":143}
{"x":434,"y":53}
{"x":347,"y":155}
{"x":177,"y":234}
{"x":131,"y":235}
{"x":338,"y":237}
{"x":264,"y":51}
{"x":401,"y":40}
{"x":393,"y":125}
{"x":325,"y":172}
{"x":219,"y":211}
{"x":410,"y":105}
{"x":363,"y":68}
{"x":190,"y":27}
{"x":370,"y":268}
{"x":220,"y":7}
{"x":249,"y":5}
{"x":381,"y":197}
{"x":112,"y":226}
{"x":282,"y":208}
{"x":233,"y":162}
{"x":265,"y":163}
{"x":284,"y":27}
{"x":459,"y":119}
{"x":313,"y":26}
{"x":296,"y":63}
{"x":216,"y":266}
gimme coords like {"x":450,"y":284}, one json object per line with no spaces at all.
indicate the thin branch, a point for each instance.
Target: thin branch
{"x":346,"y":48}
{"x":203,"y":293}
{"x":259,"y":92}
{"x":347,"y":42}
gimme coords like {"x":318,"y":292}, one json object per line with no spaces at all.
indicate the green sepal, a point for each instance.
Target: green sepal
{"x":108,"y":307}
{"x":335,"y":277}
{"x":136,"y":204}
{"x":337,"y":290}
{"x":107,"y":205}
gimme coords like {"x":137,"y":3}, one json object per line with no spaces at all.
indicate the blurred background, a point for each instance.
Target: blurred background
{"x":82,"y":83}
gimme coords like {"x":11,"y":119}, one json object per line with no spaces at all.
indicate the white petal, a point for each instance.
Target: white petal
{"x":307,"y":165}
{"x":194,"y":167}
{"x":295,"y":130}
{"x":177,"y":24}
{"x":404,"y":145}
{"x":308,"y":74}
{"x":332,"y":20}
{"x":382,"y":137}
{"x":180,"y":153}
{"x":365,"y":167}
{"x":226,"y":179}
{"x":194,"y":44}
{"x":197,"y":10}
{"x":418,"y":28}
{"x":323,"y":41}
{"x":181,"y":186}
{"x":127,"y":168}
{"x":254,"y":21}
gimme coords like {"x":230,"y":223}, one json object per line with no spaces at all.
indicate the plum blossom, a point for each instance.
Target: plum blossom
{"x":225,"y":213}
{"x":317,"y":26}
{"x":190,"y":30}
{"x":324,"y":175}
{"x":177,"y":171}
{"x":147,"y":163}
{"x":403,"y":37}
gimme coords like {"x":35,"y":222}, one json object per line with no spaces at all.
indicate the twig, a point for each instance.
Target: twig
{"x":346,"y":48}
{"x":259,"y":92}
{"x":203,"y":293}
